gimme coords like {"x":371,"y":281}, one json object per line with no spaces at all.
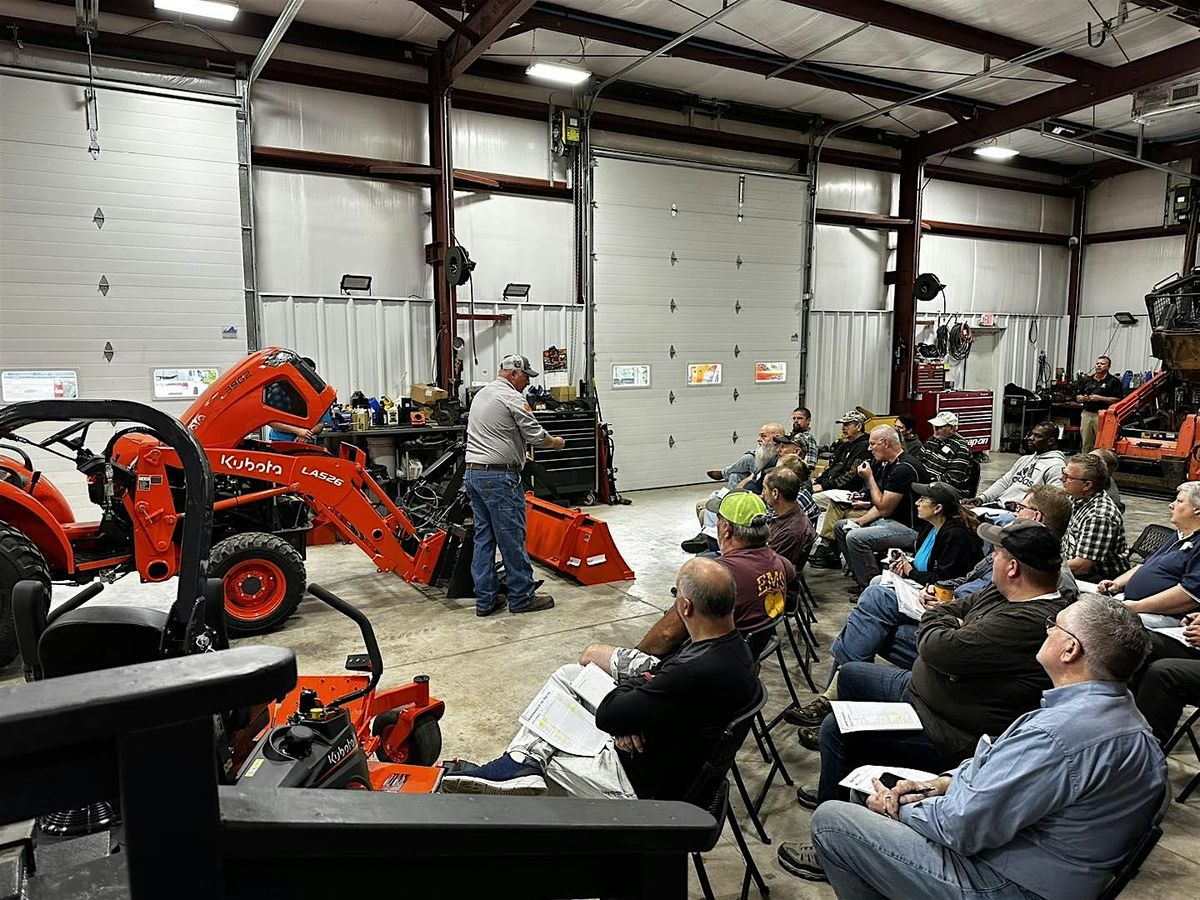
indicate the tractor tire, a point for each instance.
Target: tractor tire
{"x":424,"y":744}
{"x":20,"y":559}
{"x":264,"y":581}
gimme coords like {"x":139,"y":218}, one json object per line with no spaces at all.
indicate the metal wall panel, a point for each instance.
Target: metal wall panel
{"x":849,"y":365}
{"x":1117,"y":276}
{"x":166,"y":181}
{"x":1133,"y":200}
{"x":854,"y":189}
{"x":735,"y":285}
{"x":850,"y":263}
{"x":534,"y":327}
{"x":1127,"y":345}
{"x":948,"y":201}
{"x":998,"y":276}
{"x":377,"y":345}
{"x":489,"y":143}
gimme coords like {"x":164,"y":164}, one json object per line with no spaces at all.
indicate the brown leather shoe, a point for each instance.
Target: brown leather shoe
{"x":811,"y":714}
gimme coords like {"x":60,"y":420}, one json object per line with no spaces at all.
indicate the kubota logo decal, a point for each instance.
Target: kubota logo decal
{"x":250,"y":466}
{"x":322,"y":476}
{"x":340,"y":753}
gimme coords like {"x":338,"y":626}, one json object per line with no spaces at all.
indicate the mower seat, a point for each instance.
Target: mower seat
{"x":101,"y":637}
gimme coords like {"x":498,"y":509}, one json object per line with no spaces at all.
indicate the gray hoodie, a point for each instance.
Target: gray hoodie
{"x":1029,"y":470}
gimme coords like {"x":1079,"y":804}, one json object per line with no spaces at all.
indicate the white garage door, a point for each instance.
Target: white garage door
{"x":157,"y":281}
{"x":697,"y":276}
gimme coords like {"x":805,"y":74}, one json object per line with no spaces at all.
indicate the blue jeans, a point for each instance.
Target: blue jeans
{"x":841,"y":753}
{"x":862,"y":544}
{"x":876,"y":627}
{"x":498,"y":508}
{"x":868,"y":857}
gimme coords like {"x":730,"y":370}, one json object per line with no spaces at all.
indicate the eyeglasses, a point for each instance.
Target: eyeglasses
{"x":1051,"y":623}
{"x":1016,"y":506}
{"x":1066,"y":477}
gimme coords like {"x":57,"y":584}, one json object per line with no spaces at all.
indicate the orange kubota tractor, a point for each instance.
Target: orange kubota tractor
{"x":1155,"y":430}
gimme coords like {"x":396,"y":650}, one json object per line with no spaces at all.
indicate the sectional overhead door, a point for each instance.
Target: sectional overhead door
{"x":115,"y":265}
{"x":698,"y":277}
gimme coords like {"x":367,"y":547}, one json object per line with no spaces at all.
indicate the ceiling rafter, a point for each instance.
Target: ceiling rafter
{"x":478,"y":31}
{"x":1153,"y":69}
{"x":929,"y":27}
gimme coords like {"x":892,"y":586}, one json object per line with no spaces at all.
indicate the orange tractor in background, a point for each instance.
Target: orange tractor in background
{"x":266,"y":495}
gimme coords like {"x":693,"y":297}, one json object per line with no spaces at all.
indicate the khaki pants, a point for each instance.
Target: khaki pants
{"x":1088,"y":425}
{"x":831,"y":514}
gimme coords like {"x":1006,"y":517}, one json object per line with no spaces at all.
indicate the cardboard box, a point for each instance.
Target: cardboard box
{"x":563,"y":394}
{"x":427,"y":394}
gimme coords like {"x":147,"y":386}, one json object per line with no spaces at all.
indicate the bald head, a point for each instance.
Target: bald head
{"x":709,"y":586}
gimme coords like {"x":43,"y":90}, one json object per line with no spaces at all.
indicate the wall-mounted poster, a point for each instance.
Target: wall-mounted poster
{"x":636,"y":375}
{"x":34,"y":384}
{"x":770,"y":372}
{"x":703,"y":374}
{"x":181,"y":384}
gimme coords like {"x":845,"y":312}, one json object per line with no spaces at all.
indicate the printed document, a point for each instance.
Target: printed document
{"x":1176,"y":633}
{"x":564,"y":722}
{"x":592,"y":685}
{"x":907,"y":592}
{"x":839,"y":496}
{"x":860,"y":778}
{"x":859,"y":715}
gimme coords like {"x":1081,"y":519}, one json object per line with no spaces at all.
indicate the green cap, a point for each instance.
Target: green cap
{"x":741,"y":508}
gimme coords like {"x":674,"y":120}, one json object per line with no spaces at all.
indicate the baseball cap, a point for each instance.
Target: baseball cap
{"x":852,"y":416}
{"x":517,"y":363}
{"x":1029,"y":542}
{"x":940,"y":492}
{"x":944,"y":418}
{"x":786,"y":439}
{"x":741,"y":508}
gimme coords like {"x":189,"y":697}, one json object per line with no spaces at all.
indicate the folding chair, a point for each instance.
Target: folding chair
{"x":1187,"y":728}
{"x":1128,"y":869}
{"x":1151,"y":538}
{"x":710,"y":791}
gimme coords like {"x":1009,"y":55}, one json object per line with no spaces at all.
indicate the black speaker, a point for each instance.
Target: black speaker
{"x":458,"y":266}
{"x":927,"y":286}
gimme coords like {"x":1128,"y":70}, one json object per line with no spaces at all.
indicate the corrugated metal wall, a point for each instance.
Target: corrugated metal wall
{"x":532,"y":328}
{"x":1127,"y":345}
{"x":849,"y":365}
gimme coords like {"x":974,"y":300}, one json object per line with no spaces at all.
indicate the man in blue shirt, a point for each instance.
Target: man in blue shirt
{"x":1049,"y":808}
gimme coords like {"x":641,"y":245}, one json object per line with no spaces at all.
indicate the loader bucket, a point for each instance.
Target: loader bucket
{"x":573,"y":542}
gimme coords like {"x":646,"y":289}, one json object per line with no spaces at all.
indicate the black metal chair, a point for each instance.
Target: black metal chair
{"x":1151,"y":539}
{"x":1188,"y":729}
{"x":1129,"y":869}
{"x":710,"y":792}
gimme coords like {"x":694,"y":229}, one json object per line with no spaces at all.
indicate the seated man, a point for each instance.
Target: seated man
{"x":804,"y":495}
{"x":802,"y":433}
{"x":975,"y":670}
{"x":1048,"y":808}
{"x":1167,"y":584}
{"x":841,"y":474}
{"x":664,"y":722}
{"x":1171,"y":681}
{"x":765,"y":457}
{"x":891,"y":520}
{"x":791,"y":533}
{"x":1094,"y":545}
{"x":1112,"y":462}
{"x":1042,"y":465}
{"x":906,"y":427}
{"x":764,"y":581}
{"x":749,"y":463}
{"x":947,"y":455}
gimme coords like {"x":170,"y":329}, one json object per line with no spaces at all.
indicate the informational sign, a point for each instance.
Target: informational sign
{"x":703,"y":374}
{"x":770,"y":372}
{"x":636,"y":375}
{"x":37,"y":384}
{"x":182,"y":384}
{"x":554,"y":367}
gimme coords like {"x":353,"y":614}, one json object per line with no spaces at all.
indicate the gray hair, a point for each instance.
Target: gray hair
{"x":1094,"y":469}
{"x":709,"y":585}
{"x":1191,"y":491}
{"x":749,"y":535}
{"x":887,"y":434}
{"x":1114,"y":642}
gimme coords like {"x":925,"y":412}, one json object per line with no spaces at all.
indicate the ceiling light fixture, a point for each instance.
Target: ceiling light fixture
{"x":993,"y":152}
{"x":552,"y":72}
{"x":209,"y":9}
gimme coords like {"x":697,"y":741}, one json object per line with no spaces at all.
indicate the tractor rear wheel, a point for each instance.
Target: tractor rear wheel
{"x":20,"y":559}
{"x":264,"y":581}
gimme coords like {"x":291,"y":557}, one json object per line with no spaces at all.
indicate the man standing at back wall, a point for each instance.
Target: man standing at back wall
{"x":499,"y":428}
{"x":1095,"y":392}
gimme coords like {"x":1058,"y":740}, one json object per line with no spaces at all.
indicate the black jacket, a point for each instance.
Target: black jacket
{"x":955,"y":552}
{"x":846,"y":457}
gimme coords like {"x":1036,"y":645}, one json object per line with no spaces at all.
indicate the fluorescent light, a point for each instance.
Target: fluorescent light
{"x":210,"y":9}
{"x":993,"y":152}
{"x":558,"y":74}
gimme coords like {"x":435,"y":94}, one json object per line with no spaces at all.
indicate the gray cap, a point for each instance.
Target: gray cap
{"x":1029,"y":542}
{"x":517,"y":363}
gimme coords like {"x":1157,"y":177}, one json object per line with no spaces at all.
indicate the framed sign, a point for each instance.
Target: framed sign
{"x":634,"y":375}
{"x":770,"y":372}
{"x":38,"y":384}
{"x":182,"y":384}
{"x":703,"y":374}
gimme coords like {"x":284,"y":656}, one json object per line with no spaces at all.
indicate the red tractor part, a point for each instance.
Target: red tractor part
{"x":573,"y":542}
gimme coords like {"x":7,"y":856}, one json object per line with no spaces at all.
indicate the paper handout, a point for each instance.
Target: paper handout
{"x":592,"y":685}
{"x":907,"y":592}
{"x":857,"y":715}
{"x":564,"y":722}
{"x":1176,"y":633}
{"x":860,"y":778}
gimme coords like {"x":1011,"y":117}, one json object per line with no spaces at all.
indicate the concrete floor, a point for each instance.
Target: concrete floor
{"x":487,"y":669}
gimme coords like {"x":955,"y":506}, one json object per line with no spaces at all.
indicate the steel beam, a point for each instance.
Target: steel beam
{"x":989,"y":233}
{"x":1190,"y":236}
{"x":930,"y":27}
{"x":1075,"y":276}
{"x":1144,"y":72}
{"x":1134,"y":234}
{"x":442,"y":223}
{"x":477,"y":33}
{"x":908,"y":262}
{"x":274,"y":37}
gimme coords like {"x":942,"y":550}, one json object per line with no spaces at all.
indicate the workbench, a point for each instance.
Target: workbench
{"x":424,"y":441}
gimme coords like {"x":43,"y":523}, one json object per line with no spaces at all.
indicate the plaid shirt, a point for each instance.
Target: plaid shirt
{"x":1097,"y":532}
{"x":810,"y":449}
{"x":948,"y":461}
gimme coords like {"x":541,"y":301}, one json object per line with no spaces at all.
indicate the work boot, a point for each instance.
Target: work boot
{"x":537,"y":604}
{"x":715,"y":474}
{"x":698,"y":544}
{"x":828,"y":557}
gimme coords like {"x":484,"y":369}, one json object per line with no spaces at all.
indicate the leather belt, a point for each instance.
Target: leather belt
{"x":494,"y":467}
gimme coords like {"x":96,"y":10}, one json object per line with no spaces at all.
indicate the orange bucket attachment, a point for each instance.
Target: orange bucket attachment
{"x":573,"y":542}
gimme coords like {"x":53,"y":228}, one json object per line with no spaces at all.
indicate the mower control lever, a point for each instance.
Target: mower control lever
{"x":75,"y":602}
{"x":368,"y":634}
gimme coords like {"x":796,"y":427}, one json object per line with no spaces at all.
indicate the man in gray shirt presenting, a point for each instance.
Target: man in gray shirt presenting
{"x":499,"y":428}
